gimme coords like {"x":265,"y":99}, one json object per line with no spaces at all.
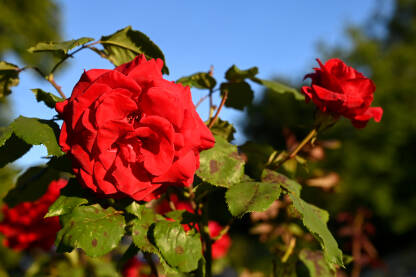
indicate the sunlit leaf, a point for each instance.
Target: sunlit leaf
{"x":236,"y":75}
{"x":48,"y":98}
{"x":316,"y":264}
{"x":251,"y":197}
{"x":179,"y":249}
{"x":92,"y":228}
{"x":201,"y":80}
{"x":125,"y":44}
{"x":221,"y":165}
{"x":60,"y":49}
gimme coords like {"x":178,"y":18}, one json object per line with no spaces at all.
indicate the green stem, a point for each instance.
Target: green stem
{"x":312,"y":134}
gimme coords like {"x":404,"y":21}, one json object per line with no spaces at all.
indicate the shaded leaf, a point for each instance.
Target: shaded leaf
{"x":48,"y":98}
{"x":221,"y":165}
{"x":7,"y":176}
{"x":236,"y":75}
{"x":251,"y":197}
{"x":315,"y":262}
{"x":279,"y":88}
{"x":239,"y":94}
{"x":146,"y":217}
{"x":224,"y":129}
{"x":71,"y":196}
{"x":31,"y":185}
{"x":257,"y":157}
{"x":61,"y":163}
{"x":201,"y":80}
{"x":11,"y":147}
{"x":95,"y":230}
{"x":125,"y":44}
{"x":275,"y":177}
{"x":60,"y":49}
{"x":315,"y":220}
{"x":9,"y":77}
{"x":37,"y":131}
{"x":180,"y":250}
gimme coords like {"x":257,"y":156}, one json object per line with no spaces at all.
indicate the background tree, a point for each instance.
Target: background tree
{"x":376,"y":166}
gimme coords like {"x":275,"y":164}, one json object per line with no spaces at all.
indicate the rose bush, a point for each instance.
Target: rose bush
{"x":221,"y":244}
{"x":130,"y":132}
{"x":24,"y":227}
{"x":339,"y":89}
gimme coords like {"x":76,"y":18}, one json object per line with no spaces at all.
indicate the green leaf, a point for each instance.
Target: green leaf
{"x":223,"y":129}
{"x":315,"y":220}
{"x":11,"y":147}
{"x":279,"y":88}
{"x":125,"y":44}
{"x":48,"y":98}
{"x":9,"y":77}
{"x":146,"y":217}
{"x":201,"y":80}
{"x":251,"y":197}
{"x":60,"y":49}
{"x":31,"y":185}
{"x":315,"y":262}
{"x":239,"y":94}
{"x":72,"y":196}
{"x":275,"y":177}
{"x":95,"y":230}
{"x":7,"y":176}
{"x":37,"y":131}
{"x":179,"y":249}
{"x":221,"y":165}
{"x":236,"y":75}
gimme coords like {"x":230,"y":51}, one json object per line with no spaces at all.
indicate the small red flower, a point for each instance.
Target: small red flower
{"x":339,"y":89}
{"x":132,"y":133}
{"x":133,"y":268}
{"x":24,"y":227}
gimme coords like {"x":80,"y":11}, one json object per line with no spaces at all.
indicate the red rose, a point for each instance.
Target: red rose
{"x":133,"y":268}
{"x":131,"y":132}
{"x":220,"y":246}
{"x":23,"y":226}
{"x":338,"y":89}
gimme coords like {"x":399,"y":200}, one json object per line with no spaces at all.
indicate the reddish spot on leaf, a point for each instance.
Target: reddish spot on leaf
{"x":179,"y":250}
{"x":213,"y":166}
{"x":94,"y":243}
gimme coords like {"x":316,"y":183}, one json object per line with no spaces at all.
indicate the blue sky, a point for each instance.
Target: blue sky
{"x":280,"y":37}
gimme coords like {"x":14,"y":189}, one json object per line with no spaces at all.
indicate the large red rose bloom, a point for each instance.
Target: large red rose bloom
{"x":132,"y":133}
{"x":23,"y":226}
{"x":339,"y":89}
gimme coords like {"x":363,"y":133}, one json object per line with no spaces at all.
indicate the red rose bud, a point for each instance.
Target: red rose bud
{"x":24,"y":227}
{"x":132,"y":133}
{"x":338,"y":89}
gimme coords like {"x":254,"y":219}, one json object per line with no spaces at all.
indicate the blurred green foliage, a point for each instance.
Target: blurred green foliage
{"x":23,"y":23}
{"x":376,"y":164}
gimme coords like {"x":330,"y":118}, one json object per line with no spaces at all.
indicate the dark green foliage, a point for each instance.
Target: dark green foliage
{"x":31,"y":185}
{"x":201,"y":80}
{"x":24,"y":23}
{"x":125,"y":44}
{"x":48,"y":98}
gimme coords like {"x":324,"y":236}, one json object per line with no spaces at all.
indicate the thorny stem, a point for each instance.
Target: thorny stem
{"x":150,"y":261}
{"x":224,"y":98}
{"x":312,"y":134}
{"x":55,"y":85}
{"x":71,"y":54}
